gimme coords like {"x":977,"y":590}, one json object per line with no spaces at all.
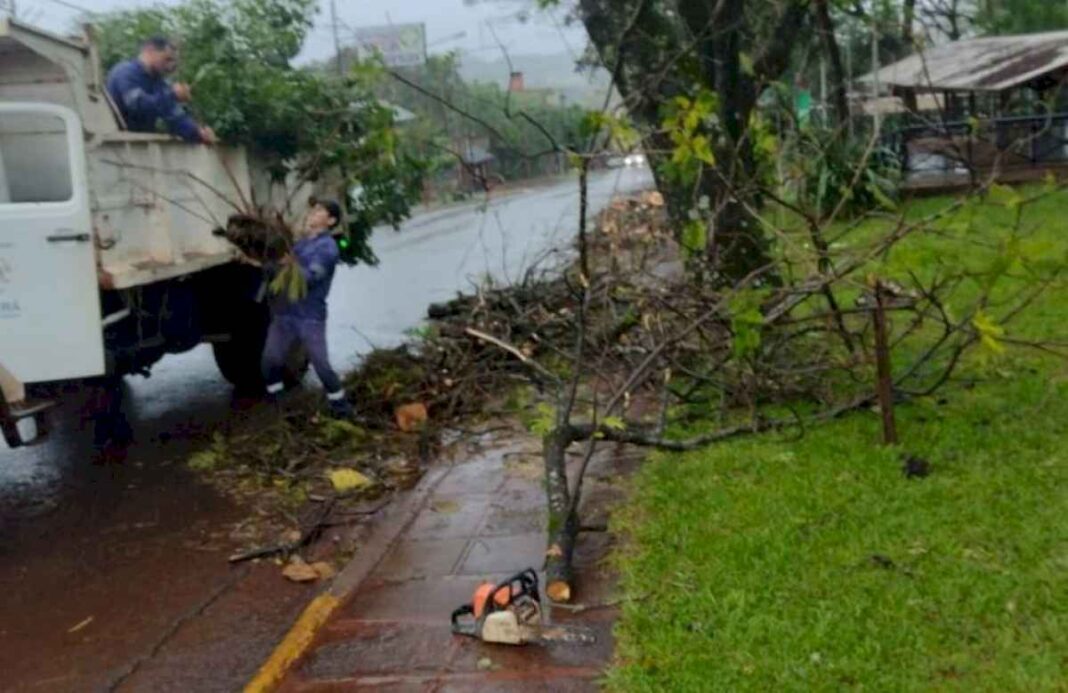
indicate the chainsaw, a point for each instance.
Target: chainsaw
{"x":510,"y":613}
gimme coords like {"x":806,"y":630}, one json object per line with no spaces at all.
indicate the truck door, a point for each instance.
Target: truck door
{"x":50,"y":326}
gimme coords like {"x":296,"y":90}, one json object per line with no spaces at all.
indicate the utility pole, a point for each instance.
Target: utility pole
{"x":849,"y":80}
{"x":875,"y":74}
{"x":337,"y":37}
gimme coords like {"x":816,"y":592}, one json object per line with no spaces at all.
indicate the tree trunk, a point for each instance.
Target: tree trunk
{"x":908,"y":40}
{"x":584,"y":260}
{"x":908,"y":18}
{"x":825,"y":25}
{"x":637,"y":39}
{"x":563,"y":524}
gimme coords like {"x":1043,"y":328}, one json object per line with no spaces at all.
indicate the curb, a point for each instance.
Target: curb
{"x":300,"y":636}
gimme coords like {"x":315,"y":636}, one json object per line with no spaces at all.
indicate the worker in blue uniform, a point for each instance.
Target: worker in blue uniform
{"x":140,"y":90}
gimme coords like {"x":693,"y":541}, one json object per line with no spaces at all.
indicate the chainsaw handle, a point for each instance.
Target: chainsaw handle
{"x":457,"y":614}
{"x":527,"y":582}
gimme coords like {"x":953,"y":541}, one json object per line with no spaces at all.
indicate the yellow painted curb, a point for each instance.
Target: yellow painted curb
{"x":296,"y":642}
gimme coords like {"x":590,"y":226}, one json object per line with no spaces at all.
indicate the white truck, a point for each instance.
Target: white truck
{"x":108,"y":260}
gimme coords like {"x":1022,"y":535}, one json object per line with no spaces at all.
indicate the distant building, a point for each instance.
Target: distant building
{"x":980,"y":74}
{"x":983,"y":107}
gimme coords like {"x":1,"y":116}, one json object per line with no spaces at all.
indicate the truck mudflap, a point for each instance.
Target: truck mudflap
{"x":22,"y":422}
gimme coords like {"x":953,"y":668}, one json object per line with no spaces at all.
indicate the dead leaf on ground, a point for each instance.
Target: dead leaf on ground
{"x":323,"y":569}
{"x":555,"y":551}
{"x":299,"y":571}
{"x":445,"y":507}
{"x":411,"y":417}
{"x":345,"y":480}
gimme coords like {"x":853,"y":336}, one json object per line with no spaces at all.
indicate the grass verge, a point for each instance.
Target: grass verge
{"x":778,"y":563}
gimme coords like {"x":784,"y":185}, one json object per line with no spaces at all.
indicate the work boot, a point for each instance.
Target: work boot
{"x":340,"y":408}
{"x":273,"y":394}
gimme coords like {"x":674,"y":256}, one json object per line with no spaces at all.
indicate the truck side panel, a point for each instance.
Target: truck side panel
{"x":156,"y":202}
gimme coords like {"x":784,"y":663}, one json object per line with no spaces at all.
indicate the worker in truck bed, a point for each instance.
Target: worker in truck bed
{"x":304,"y":320}
{"x":144,"y":97}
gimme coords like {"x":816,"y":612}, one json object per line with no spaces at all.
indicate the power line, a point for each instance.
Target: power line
{"x":69,"y":5}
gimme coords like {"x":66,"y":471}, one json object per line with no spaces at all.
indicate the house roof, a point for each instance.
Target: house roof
{"x":992,"y":64}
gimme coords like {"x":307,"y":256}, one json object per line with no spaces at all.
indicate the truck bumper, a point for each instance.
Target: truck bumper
{"x":21,"y":422}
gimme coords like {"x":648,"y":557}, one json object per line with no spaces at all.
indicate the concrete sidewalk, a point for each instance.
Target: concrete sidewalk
{"x":480,"y":519}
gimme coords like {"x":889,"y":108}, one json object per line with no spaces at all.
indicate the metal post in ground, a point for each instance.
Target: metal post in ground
{"x":885,"y":383}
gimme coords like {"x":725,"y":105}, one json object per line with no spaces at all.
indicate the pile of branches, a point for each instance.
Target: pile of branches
{"x":456,"y":371}
{"x":629,"y":345}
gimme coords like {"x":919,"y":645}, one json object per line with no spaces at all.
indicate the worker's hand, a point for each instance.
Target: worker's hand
{"x":247,"y":260}
{"x":182,"y":91}
{"x":208,"y":136}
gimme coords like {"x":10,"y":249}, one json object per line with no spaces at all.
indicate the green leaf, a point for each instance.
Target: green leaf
{"x":1004,"y":196}
{"x":747,"y":328}
{"x":614,"y":423}
{"x":702,"y":150}
{"x":545,"y":420}
{"x":748,"y":68}
{"x":694,"y":237}
{"x":990,"y":333}
{"x":881,"y":197}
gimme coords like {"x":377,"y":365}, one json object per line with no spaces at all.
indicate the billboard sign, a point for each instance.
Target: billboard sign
{"x":401,"y":45}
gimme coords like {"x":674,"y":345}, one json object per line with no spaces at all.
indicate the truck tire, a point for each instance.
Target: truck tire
{"x":238,"y":360}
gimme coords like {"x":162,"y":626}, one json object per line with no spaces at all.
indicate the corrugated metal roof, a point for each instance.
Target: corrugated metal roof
{"x":890,"y":105}
{"x":994,"y":63}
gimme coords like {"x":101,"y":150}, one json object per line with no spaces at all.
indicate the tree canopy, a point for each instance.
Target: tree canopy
{"x":301,"y":123}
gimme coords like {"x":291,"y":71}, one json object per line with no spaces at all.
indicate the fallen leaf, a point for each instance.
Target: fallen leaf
{"x":411,"y":417}
{"x":345,"y":480}
{"x":654,"y":199}
{"x":292,"y":536}
{"x":445,"y":507}
{"x":299,"y":571}
{"x":485,"y":664}
{"x":79,"y":626}
{"x":323,"y":569}
{"x":555,"y":551}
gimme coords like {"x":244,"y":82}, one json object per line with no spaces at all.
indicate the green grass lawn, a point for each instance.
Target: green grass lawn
{"x":773,"y":563}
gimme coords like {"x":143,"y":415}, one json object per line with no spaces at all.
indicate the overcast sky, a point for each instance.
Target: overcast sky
{"x":543,"y":33}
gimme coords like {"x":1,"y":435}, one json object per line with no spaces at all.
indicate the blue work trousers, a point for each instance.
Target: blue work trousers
{"x":284,"y":331}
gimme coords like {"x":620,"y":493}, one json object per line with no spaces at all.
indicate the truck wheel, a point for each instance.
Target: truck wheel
{"x":239,"y":362}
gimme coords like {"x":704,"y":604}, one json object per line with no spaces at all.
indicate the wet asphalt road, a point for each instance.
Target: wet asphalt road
{"x":114,"y":577}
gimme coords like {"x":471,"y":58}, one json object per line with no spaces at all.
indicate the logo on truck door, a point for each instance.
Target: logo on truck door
{"x":9,"y":307}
